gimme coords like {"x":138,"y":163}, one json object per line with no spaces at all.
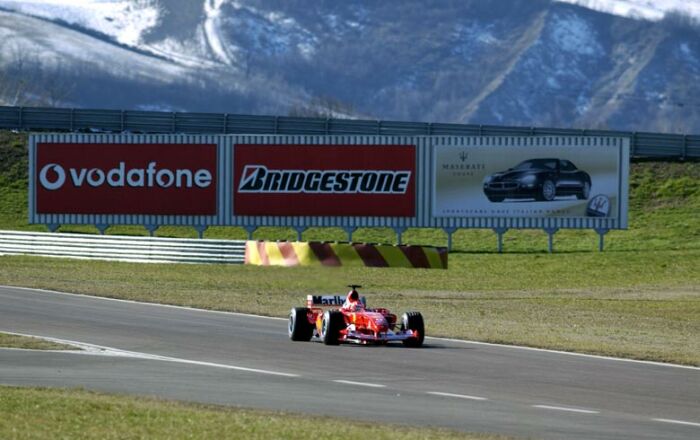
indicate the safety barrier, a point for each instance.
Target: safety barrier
{"x":122,"y":248}
{"x":314,"y":253}
{"x":642,"y":145}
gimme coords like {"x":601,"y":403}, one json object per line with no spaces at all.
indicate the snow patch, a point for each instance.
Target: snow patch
{"x":653,"y":10}
{"x":472,"y":38}
{"x":574,"y":35}
{"x":212,"y":31}
{"x":124,"y":21}
{"x":686,"y":53}
{"x":273,"y":33}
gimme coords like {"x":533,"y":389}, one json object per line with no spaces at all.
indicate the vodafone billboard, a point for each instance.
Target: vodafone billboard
{"x":114,"y":178}
{"x":324,"y":180}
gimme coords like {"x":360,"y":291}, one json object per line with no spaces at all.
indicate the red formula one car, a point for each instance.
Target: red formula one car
{"x":335,"y":319}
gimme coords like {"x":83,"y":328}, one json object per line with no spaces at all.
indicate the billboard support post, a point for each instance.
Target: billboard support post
{"x":250,"y":230}
{"x":349,"y":230}
{"x":550,"y":238}
{"x":151,"y":229}
{"x":200,"y":230}
{"x":102,"y":227}
{"x":399,"y":232}
{"x":300,"y":230}
{"x":601,"y":238}
{"x":500,"y":232}
{"x":53,"y":227}
{"x":449,"y":232}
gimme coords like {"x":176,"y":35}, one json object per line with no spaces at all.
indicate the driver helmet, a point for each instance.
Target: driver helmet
{"x":353,"y":296}
{"x":352,"y":302}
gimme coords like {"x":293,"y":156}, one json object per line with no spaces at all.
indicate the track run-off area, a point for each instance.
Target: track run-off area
{"x":246,"y":360}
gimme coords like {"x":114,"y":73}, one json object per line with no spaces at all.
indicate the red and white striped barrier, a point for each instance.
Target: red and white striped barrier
{"x":285,"y":253}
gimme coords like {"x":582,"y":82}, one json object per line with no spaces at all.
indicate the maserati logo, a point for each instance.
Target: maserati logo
{"x":599,"y":206}
{"x":463,"y":155}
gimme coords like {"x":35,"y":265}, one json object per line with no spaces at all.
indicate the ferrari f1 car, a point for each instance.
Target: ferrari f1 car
{"x":326,"y":319}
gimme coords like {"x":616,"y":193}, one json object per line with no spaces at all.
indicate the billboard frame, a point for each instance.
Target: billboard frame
{"x":425,"y":178}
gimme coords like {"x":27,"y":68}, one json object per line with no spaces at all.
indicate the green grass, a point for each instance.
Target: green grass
{"x":640,"y":298}
{"x":8,"y":340}
{"x":36,"y":413}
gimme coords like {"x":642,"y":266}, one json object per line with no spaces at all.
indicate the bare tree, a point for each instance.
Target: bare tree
{"x":24,"y":81}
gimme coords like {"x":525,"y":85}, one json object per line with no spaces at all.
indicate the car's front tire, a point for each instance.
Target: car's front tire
{"x":414,"y":321}
{"x":548,"y":191}
{"x":299,"y":327}
{"x":331,"y":323}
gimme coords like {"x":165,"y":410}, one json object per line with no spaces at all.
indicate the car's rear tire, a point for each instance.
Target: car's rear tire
{"x":299,"y":327}
{"x":414,"y":321}
{"x":496,"y":199}
{"x":585,"y":191}
{"x":548,"y":191}
{"x":332,"y":323}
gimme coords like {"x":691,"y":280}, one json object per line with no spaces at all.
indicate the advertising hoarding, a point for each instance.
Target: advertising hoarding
{"x":533,"y":181}
{"x":117,"y":178}
{"x":324,"y":180}
{"x":304,"y":181}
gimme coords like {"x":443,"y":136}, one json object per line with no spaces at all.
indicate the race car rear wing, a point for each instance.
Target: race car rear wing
{"x":328,"y":300}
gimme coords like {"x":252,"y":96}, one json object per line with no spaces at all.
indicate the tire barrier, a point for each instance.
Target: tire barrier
{"x":315,"y":253}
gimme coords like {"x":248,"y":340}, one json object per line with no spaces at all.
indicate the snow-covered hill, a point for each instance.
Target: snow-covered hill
{"x":582,"y":63}
{"x":642,"y":9}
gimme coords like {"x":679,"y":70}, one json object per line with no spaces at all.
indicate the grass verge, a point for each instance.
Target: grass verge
{"x":36,"y":413}
{"x":8,"y":340}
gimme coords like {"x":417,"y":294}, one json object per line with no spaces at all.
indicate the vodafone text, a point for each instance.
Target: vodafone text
{"x":259,"y":179}
{"x":121,"y":176}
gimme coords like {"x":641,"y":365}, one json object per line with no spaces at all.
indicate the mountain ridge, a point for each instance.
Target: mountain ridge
{"x":508,"y":62}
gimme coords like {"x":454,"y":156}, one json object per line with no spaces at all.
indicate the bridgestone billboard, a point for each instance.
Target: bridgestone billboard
{"x":342,"y":181}
{"x":325,"y":180}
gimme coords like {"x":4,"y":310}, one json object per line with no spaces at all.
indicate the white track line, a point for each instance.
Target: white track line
{"x":99,"y":350}
{"x":677,"y":422}
{"x":562,"y":408}
{"x":131,"y":301}
{"x":568,"y":353}
{"x":458,"y":396}
{"x":461,"y":341}
{"x":361,"y":384}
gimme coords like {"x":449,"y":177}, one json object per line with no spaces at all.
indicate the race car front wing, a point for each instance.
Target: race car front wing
{"x":363,"y":338}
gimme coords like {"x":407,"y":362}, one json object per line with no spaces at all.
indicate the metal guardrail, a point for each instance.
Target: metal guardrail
{"x":122,"y":248}
{"x":642,"y":144}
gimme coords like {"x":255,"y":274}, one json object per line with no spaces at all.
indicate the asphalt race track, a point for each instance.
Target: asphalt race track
{"x":249,"y":361}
